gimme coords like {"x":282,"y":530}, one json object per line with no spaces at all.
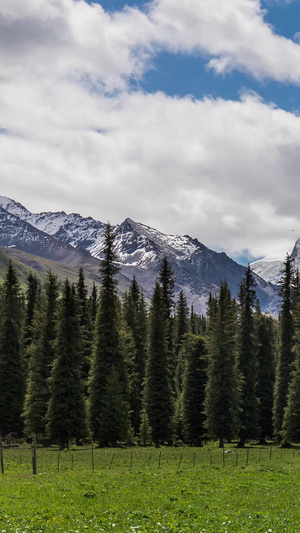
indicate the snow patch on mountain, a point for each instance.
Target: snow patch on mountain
{"x":72,"y":228}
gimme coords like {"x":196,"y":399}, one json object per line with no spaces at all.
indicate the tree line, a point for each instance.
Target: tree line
{"x":76,"y":366}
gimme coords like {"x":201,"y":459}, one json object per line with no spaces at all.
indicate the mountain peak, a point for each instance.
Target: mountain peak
{"x":197,"y":269}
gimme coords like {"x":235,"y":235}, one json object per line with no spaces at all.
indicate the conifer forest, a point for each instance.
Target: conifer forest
{"x":81,"y":367}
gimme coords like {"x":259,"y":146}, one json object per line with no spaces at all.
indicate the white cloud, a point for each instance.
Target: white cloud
{"x":69,"y":38}
{"x":214,"y":169}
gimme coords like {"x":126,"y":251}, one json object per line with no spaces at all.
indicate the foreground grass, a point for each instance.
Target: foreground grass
{"x":175,"y":497}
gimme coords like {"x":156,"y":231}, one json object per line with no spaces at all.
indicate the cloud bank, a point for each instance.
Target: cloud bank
{"x":74,"y":135}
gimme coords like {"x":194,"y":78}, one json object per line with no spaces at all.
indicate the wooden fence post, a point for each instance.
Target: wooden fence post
{"x":111,"y":462}
{"x":93,"y":462}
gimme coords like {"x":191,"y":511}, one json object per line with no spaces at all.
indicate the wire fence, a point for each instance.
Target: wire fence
{"x":34,"y":460}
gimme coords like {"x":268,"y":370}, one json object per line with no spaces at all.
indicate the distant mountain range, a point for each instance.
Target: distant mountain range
{"x":74,"y":241}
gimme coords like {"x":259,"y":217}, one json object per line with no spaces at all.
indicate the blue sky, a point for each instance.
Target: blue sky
{"x":184,"y":74}
{"x":183,"y":115}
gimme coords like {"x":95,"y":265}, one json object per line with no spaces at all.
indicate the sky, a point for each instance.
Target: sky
{"x":180,"y":114}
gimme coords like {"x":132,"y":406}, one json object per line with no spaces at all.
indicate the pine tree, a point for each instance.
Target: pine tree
{"x":31,"y":295}
{"x":107,"y":357}
{"x":222,"y":397}
{"x":157,"y":393}
{"x":41,"y":358}
{"x":193,"y":322}
{"x":93,"y":304}
{"x":181,"y":321}
{"x":135,"y":317}
{"x":66,"y":414}
{"x":85,"y":324}
{"x":285,"y":351}
{"x":193,"y":352}
{"x":115,"y":420}
{"x":167,"y":282}
{"x":12,"y":381}
{"x":291,"y":419}
{"x":248,"y":359}
{"x":266,"y":372}
{"x":181,"y":328}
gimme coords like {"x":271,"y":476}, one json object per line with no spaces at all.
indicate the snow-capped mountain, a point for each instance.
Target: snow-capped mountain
{"x":17,"y":233}
{"x":73,"y":229}
{"x":270,"y":268}
{"x":198,"y":270}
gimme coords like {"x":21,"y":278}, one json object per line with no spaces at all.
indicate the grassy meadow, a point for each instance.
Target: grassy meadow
{"x":151,"y":490}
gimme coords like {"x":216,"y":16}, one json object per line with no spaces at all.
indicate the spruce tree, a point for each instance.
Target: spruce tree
{"x":167,"y":282}
{"x":248,"y":359}
{"x":181,"y":328}
{"x":135,"y":317}
{"x":291,"y":418}
{"x":285,"y":356}
{"x":107,"y":361}
{"x":31,"y":295}
{"x":85,"y":324}
{"x":41,"y":358}
{"x":222,"y":398}
{"x":265,"y":329}
{"x":93,"y":304}
{"x":193,"y":353}
{"x":193,"y":322}
{"x":12,"y":379}
{"x":181,"y":321}
{"x":66,"y":416}
{"x":158,"y":393}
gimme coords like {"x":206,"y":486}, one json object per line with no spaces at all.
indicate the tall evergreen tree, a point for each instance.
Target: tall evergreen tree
{"x":222,"y":397}
{"x":248,"y":359}
{"x":193,"y":322}
{"x":291,"y":418}
{"x":135,"y":317}
{"x":12,"y":382}
{"x":167,"y":281}
{"x":181,"y":328}
{"x":66,"y":414}
{"x":108,"y":361}
{"x":181,"y":320}
{"x":158,"y":393}
{"x":85,"y":324}
{"x":285,"y":350}
{"x":193,"y":353}
{"x":41,"y":358}
{"x":93,"y":304}
{"x":31,"y":295}
{"x":266,"y":372}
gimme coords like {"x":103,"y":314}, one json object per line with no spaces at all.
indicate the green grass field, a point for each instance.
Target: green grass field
{"x":150,"y":490}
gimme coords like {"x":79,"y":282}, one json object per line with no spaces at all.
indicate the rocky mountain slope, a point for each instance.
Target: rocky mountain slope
{"x":198,"y":270}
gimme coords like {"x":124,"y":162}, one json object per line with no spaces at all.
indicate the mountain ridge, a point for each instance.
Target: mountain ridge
{"x":198,"y":270}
